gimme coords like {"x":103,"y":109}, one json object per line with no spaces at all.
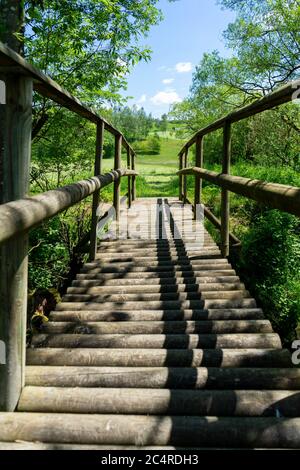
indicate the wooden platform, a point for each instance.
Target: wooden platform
{"x":157,"y":344}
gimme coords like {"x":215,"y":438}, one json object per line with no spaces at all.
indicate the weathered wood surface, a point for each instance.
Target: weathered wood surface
{"x":157,"y":343}
{"x":24,"y":214}
{"x":146,"y":401}
{"x":117,"y":164}
{"x":245,"y":432}
{"x":96,"y":195}
{"x":16,"y":130}
{"x":159,"y":357}
{"x":225,"y":195}
{"x":279,"y":196}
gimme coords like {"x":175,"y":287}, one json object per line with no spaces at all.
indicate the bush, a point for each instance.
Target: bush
{"x":270,"y":266}
{"x":151,"y":146}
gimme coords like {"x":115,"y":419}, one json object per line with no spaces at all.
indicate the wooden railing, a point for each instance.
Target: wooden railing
{"x":19,"y":213}
{"x":279,"y":196}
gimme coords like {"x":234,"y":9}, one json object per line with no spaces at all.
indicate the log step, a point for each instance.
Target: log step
{"x":178,"y":341}
{"x":158,"y":262}
{"x":159,"y":257}
{"x":77,"y":288}
{"x":164,"y":377}
{"x":160,"y":327}
{"x":168,"y":281}
{"x":159,"y":268}
{"x":157,"y":315}
{"x":186,"y":275}
{"x":241,"y":432}
{"x":160,"y":401}
{"x":160,"y":305}
{"x":76,"y":296}
{"x":160,"y":357}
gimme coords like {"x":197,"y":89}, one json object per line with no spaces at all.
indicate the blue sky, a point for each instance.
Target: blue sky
{"x":189,"y":28}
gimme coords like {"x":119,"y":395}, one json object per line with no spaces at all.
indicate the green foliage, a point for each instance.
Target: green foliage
{"x":90,"y":45}
{"x":270,"y":265}
{"x":56,"y":247}
{"x":151,"y":146}
{"x":265,"y":38}
{"x":133,"y":122}
{"x":48,"y":256}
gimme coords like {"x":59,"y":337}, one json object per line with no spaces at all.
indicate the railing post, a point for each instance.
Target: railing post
{"x":15,"y":155}
{"x":198,"y":179}
{"x":180,"y":177}
{"x":96,"y":195}
{"x":117,"y":165}
{"x":225,"y":201}
{"x":129,"y":192}
{"x":185,"y":158}
{"x":133,"y":178}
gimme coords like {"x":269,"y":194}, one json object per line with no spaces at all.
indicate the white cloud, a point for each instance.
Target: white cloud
{"x":142,"y":99}
{"x":183,"y":67}
{"x":165,"y":97}
{"x":168,"y":81}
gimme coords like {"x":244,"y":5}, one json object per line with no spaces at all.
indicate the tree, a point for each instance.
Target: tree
{"x":87,"y":46}
{"x":266,"y":40}
{"x":133,"y":122}
{"x":164,"y":123}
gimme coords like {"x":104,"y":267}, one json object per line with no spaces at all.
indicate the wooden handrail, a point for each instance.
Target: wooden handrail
{"x":281,"y":197}
{"x":22,"y":215}
{"x":18,"y":213}
{"x":278,"y":196}
{"x":280,"y":96}
{"x":11,"y":62}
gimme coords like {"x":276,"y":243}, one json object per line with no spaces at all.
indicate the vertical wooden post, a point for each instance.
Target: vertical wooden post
{"x":180,"y":177}
{"x":185,"y":158}
{"x":96,"y":195}
{"x":225,"y":201}
{"x":15,"y":156}
{"x":117,"y":165}
{"x":129,"y":177}
{"x":198,"y":180}
{"x":133,"y":178}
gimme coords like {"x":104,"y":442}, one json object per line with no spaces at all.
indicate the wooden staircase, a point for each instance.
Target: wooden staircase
{"x":157,"y":344}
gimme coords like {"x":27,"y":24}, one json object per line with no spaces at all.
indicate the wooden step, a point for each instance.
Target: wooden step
{"x":160,"y":305}
{"x":147,"y":276}
{"x":161,"y":257}
{"x":178,"y":341}
{"x":153,"y":296}
{"x":168,"y":281}
{"x":157,"y":315}
{"x":206,"y":248}
{"x":131,"y":267}
{"x":158,"y":262}
{"x":146,"y":288}
{"x":165,"y":377}
{"x":242,"y":432}
{"x":159,"y":327}
{"x":159,"y":357}
{"x":160,"y":401}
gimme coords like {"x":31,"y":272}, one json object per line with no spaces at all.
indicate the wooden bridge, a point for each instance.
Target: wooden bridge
{"x":157,"y":343}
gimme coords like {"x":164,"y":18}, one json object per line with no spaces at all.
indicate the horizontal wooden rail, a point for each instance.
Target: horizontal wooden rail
{"x":278,"y":196}
{"x":21,"y":215}
{"x":11,"y":62}
{"x":284,"y":94}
